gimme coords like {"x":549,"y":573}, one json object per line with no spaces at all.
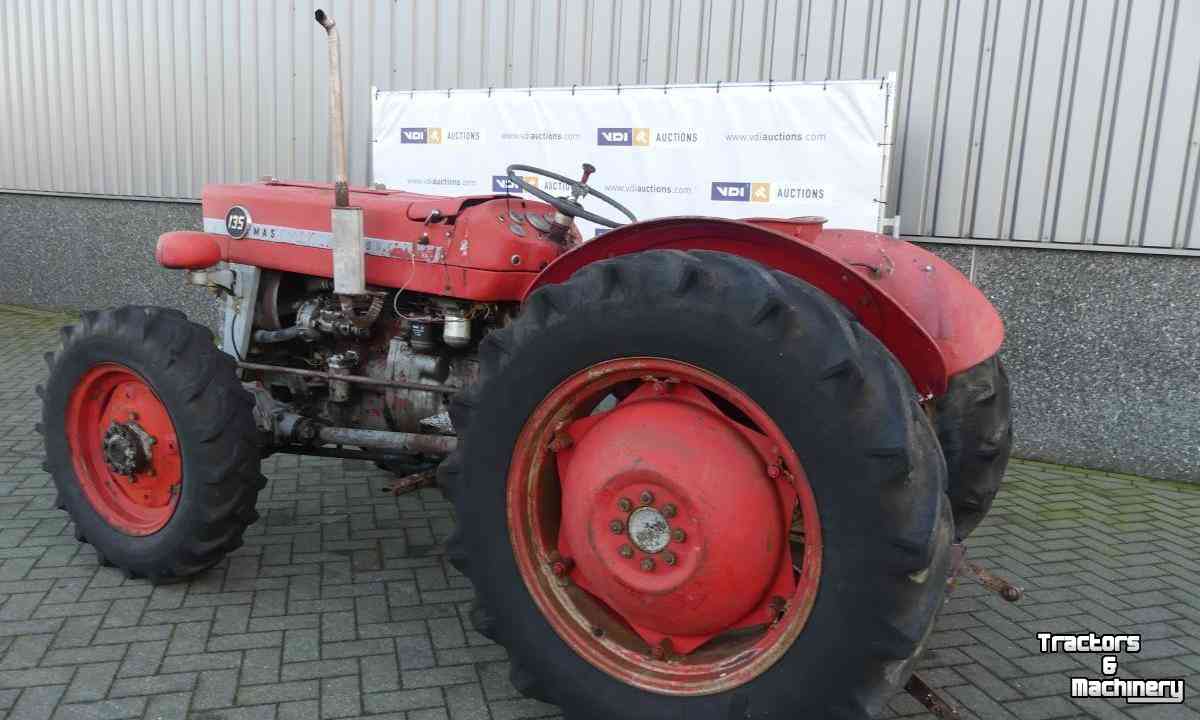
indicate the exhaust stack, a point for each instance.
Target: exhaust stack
{"x":349,"y":251}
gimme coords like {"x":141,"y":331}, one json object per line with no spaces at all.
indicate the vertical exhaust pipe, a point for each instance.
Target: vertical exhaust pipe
{"x":349,"y":251}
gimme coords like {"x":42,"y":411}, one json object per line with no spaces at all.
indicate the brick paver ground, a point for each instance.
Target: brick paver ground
{"x":341,"y":604}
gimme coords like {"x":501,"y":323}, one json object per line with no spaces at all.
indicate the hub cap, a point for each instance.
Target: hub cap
{"x":671,"y":539}
{"x":649,"y":530}
{"x":124,"y":449}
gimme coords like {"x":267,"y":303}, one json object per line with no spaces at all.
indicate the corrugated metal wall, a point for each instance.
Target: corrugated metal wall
{"x":1066,"y":121}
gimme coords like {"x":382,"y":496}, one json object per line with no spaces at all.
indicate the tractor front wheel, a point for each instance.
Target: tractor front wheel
{"x":150,"y":441}
{"x":687,"y":486}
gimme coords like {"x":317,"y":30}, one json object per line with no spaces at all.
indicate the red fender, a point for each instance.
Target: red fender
{"x":922,"y":308}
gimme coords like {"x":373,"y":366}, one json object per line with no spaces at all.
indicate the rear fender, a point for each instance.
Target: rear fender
{"x":934,"y":321}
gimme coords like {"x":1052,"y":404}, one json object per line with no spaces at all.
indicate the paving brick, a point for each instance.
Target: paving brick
{"x":231,"y":619}
{"x":402,"y":700}
{"x":103,"y":710}
{"x":299,"y":710}
{"x":453,"y":675}
{"x":188,"y":638}
{"x":37,"y":703}
{"x":319,"y":669}
{"x":302,"y":645}
{"x":356,"y":648}
{"x":91,"y":682}
{"x":76,"y":656}
{"x":167,"y":705}
{"x":25,"y":651}
{"x":340,"y":697}
{"x":244,"y":641}
{"x":415,"y":652}
{"x":380,"y":673}
{"x":520,"y":709}
{"x":465,"y":702}
{"x":200,"y":661}
{"x":278,"y":692}
{"x":143,"y":658}
{"x":260,"y":666}
{"x":214,"y":689}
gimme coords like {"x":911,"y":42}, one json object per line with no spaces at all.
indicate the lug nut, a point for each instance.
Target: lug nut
{"x":668,"y":557}
{"x":561,"y":441}
{"x":616,"y":526}
{"x":648,"y":564}
{"x":561,"y":567}
{"x":625,"y":504}
{"x":678,"y":535}
{"x":647,"y":497}
{"x":772,"y":471}
{"x":625,"y":551}
{"x":669,"y":510}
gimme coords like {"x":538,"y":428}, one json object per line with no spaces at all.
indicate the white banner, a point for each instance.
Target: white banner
{"x":737,"y":150}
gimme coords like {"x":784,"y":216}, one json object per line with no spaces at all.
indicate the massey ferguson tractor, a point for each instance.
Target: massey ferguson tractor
{"x":701,"y":468}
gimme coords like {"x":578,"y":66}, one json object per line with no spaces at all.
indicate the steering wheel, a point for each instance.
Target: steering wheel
{"x":571,"y":206}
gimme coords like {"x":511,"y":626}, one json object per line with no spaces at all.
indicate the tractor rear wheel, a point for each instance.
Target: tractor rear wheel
{"x":975,"y":431}
{"x":150,"y":440}
{"x":687,"y":486}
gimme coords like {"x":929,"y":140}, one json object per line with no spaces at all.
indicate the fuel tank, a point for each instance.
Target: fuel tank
{"x":486,"y":248}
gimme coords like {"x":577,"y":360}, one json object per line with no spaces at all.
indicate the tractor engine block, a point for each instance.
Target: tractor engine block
{"x":383,"y":345}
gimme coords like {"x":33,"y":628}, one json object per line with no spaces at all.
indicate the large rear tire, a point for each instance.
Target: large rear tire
{"x":975,"y":431}
{"x":796,"y":367}
{"x":150,"y":440}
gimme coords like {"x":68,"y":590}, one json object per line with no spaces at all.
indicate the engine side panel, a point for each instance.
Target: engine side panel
{"x":934,"y":321}
{"x":478,"y":248}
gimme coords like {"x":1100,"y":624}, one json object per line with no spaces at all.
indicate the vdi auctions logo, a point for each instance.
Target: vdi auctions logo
{"x":503,"y":184}
{"x":741,"y":192}
{"x":623,"y":136}
{"x":421,"y":136}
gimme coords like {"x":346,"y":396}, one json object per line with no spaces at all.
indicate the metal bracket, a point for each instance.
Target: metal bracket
{"x":890,"y":222}
{"x":222,"y":279}
{"x":409,"y":483}
{"x":930,"y":698}
{"x":1001,"y":586}
{"x":238,"y":311}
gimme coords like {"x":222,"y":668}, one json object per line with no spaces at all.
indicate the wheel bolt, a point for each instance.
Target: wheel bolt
{"x":625,"y":504}
{"x":772,"y":471}
{"x":669,"y":510}
{"x":648,"y":564}
{"x":561,"y":567}
{"x":616,"y":526}
{"x":561,"y":441}
{"x":668,"y":557}
{"x":678,"y":535}
{"x":625,"y":551}
{"x":647,"y":497}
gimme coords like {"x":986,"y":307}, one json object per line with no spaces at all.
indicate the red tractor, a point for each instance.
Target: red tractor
{"x":702,"y":468}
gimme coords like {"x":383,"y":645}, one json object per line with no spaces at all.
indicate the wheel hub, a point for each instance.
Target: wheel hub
{"x":672,"y":518}
{"x":670,"y":538}
{"x":125,"y":452}
{"x":124,"y":449}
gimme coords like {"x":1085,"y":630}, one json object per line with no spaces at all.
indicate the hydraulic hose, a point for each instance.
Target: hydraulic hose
{"x":295,"y":332}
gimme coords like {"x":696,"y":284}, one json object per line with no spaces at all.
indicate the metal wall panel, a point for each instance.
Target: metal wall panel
{"x":1060,"y":121}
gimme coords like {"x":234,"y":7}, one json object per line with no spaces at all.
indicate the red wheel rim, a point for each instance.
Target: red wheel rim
{"x":124,"y":449}
{"x":664,"y":526}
